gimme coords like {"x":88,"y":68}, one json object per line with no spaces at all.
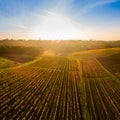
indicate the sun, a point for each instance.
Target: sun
{"x":57,"y":27}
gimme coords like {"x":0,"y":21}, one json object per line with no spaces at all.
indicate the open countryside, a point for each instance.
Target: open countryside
{"x":59,"y":80}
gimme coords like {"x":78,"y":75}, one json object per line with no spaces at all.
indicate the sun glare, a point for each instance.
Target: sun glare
{"x":54,"y":27}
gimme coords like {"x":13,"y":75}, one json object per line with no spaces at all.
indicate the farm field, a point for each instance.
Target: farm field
{"x":112,"y":63}
{"x":76,"y":85}
{"x":6,"y":63}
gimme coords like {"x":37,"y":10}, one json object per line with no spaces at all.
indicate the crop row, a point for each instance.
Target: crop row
{"x":102,"y":92}
{"x":57,"y":63}
{"x":35,"y":93}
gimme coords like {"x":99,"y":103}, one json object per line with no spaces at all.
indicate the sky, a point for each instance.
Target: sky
{"x":60,"y":19}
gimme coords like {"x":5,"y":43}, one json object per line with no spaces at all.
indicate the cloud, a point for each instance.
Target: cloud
{"x":90,"y":7}
{"x":19,"y":26}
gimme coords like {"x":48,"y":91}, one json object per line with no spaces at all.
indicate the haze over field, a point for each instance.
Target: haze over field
{"x":60,"y":59}
{"x":59,"y":80}
{"x":60,"y":19}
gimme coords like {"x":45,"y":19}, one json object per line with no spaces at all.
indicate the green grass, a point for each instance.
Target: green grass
{"x":104,"y":52}
{"x":5,"y":63}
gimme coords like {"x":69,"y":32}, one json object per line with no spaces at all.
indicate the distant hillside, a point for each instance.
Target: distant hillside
{"x":19,"y":53}
{"x":62,"y":47}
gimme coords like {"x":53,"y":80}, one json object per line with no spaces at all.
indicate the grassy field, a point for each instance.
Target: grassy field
{"x":6,"y":63}
{"x":63,"y":82}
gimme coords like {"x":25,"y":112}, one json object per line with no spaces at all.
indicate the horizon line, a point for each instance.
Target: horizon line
{"x":11,"y":39}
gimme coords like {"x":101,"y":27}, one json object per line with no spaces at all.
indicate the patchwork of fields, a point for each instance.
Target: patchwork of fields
{"x":75,"y":87}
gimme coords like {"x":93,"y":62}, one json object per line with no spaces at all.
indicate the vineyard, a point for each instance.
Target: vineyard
{"x":112,"y":63}
{"x":102,"y":93}
{"x":73,"y":87}
{"x":37,"y":93}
